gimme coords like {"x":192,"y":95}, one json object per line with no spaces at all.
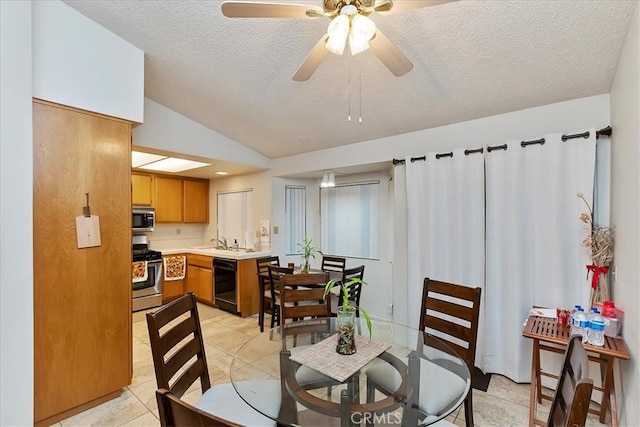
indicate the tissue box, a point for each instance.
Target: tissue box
{"x":612,"y":326}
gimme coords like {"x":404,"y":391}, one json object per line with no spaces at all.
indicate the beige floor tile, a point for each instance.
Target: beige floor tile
{"x":227,"y":340}
{"x":145,"y":420}
{"x":493,"y":411}
{"x":506,"y":389}
{"x":112,"y":413}
{"x":143,"y":371}
{"x":146,"y":393}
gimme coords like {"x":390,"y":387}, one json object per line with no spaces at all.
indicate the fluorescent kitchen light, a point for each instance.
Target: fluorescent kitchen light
{"x":172,"y":164}
{"x":139,"y":158}
{"x":222,"y":173}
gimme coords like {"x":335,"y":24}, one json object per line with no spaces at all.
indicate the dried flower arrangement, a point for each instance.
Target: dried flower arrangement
{"x":600,"y":242}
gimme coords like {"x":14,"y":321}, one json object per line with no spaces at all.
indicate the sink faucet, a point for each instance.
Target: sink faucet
{"x":222,"y":241}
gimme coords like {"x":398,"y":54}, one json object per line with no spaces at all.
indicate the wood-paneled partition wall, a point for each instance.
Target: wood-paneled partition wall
{"x":82,"y":297}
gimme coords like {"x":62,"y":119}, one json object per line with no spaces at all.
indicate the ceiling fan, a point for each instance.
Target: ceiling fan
{"x":349,"y":25}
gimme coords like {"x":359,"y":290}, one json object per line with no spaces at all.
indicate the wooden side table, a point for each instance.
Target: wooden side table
{"x":545,"y":330}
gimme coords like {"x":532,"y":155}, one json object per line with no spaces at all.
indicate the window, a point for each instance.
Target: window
{"x":234,"y":215}
{"x":349,"y":220}
{"x":295,"y":211}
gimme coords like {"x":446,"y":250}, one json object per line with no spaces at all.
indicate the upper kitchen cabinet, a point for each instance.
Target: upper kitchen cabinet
{"x":180,"y":199}
{"x":169,"y":199}
{"x":196,"y":201}
{"x":141,"y":189}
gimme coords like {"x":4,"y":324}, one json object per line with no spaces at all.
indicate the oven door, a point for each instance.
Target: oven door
{"x":153,"y":284}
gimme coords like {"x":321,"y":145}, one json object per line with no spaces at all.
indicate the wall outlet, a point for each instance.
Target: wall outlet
{"x":276,"y":229}
{"x":390,"y":308}
{"x":178,"y":231}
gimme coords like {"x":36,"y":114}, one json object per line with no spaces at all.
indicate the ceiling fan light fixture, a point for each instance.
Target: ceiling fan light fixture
{"x":362,"y":30}
{"x":338,"y":31}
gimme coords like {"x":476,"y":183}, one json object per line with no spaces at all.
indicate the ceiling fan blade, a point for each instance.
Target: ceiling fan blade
{"x":239,"y":9}
{"x":389,"y":54}
{"x":387,"y":7}
{"x":312,"y":61}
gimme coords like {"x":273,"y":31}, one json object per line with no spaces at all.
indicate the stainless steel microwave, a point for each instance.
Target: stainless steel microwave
{"x":143,"y":218}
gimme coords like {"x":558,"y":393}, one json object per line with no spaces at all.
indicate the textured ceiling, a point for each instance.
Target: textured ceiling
{"x":471,"y":59}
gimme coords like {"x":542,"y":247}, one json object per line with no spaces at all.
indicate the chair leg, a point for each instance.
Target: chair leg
{"x":468,"y":409}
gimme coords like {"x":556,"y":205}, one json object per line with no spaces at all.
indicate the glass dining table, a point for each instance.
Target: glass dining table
{"x":320,"y":387}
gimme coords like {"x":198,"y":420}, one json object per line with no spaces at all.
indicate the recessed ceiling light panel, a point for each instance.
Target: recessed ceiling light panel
{"x":222,"y":173}
{"x":139,"y":158}
{"x":172,"y":164}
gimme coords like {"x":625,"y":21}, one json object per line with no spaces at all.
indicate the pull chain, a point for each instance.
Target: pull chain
{"x":360,"y":89}
{"x":349,"y":83}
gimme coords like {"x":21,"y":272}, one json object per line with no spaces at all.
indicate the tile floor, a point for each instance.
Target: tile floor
{"x":504,"y":404}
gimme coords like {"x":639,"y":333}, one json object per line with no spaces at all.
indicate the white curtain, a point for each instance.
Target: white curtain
{"x":234,"y":213}
{"x":445,"y":225}
{"x":349,"y":218}
{"x":295,"y":207}
{"x":533,"y":240}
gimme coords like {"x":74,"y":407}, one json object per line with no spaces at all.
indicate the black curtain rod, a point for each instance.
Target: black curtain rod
{"x":607,"y":131}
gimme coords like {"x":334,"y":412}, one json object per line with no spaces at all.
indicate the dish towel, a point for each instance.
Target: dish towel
{"x":174,"y":267}
{"x":139,"y":271}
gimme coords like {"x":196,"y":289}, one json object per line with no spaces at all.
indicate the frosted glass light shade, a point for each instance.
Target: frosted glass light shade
{"x":338,"y":31}
{"x":362,"y":30}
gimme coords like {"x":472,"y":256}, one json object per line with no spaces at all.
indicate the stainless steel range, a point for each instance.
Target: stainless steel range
{"x":147,"y":293}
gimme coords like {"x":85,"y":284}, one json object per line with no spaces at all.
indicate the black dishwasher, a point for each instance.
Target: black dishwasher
{"x":224,"y":284}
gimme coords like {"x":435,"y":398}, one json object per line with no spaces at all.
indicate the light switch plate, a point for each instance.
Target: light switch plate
{"x":276,"y":229}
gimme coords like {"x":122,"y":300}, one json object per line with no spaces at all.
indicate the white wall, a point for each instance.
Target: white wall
{"x":16,"y":248}
{"x":165,"y":129}
{"x":81,"y":64}
{"x":625,"y":213}
{"x":569,"y":116}
{"x":259,"y":182}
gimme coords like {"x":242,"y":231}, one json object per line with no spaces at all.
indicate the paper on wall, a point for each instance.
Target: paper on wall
{"x":88,"y":231}
{"x":265,"y":234}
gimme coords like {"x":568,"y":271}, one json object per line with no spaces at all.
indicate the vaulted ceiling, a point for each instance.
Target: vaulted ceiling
{"x":471,"y":59}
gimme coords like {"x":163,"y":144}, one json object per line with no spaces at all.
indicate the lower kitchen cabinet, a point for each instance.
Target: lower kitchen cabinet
{"x":172,"y":289}
{"x":200,"y":277}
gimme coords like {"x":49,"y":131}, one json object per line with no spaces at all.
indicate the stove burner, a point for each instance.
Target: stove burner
{"x":146,"y":254}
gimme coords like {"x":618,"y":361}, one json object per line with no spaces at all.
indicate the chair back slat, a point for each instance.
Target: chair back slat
{"x":355,"y":290}
{"x":188,"y":377}
{"x":182,"y":356}
{"x":333,"y":263}
{"x":175,"y":412}
{"x":460,"y":332}
{"x":459,"y":320}
{"x":570,"y":405}
{"x":176,"y":334}
{"x":174,"y":340}
{"x":299,"y":302}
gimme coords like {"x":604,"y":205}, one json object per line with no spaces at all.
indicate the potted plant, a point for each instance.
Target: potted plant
{"x":307,"y":251}
{"x":347,"y":315}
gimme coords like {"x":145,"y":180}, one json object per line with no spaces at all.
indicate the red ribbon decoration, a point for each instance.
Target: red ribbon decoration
{"x":596,"y":269}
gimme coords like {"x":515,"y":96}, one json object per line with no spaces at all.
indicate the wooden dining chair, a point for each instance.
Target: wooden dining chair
{"x":275,"y":273}
{"x":302,"y":297}
{"x":333,"y":263}
{"x":179,"y":361}
{"x":354,"y":291}
{"x":448,"y":311}
{"x":264,"y":284}
{"x":570,"y":405}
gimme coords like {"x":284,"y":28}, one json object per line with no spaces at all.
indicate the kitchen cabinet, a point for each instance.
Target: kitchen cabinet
{"x":196,"y":201}
{"x":172,"y":289}
{"x":179,"y":199}
{"x":168,"y":200}
{"x":199,"y":278}
{"x":247,"y":289}
{"x":141,"y":189}
{"x":82,"y":333}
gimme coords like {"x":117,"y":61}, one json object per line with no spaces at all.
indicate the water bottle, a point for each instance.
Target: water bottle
{"x":574,"y":326}
{"x":580,"y":324}
{"x":596,"y":329}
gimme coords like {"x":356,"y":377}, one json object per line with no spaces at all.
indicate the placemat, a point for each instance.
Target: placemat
{"x":323,"y":357}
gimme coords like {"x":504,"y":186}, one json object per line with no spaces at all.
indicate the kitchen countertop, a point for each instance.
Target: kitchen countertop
{"x":217,"y":253}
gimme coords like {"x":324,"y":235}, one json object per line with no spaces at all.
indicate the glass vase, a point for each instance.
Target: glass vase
{"x":346,"y":330}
